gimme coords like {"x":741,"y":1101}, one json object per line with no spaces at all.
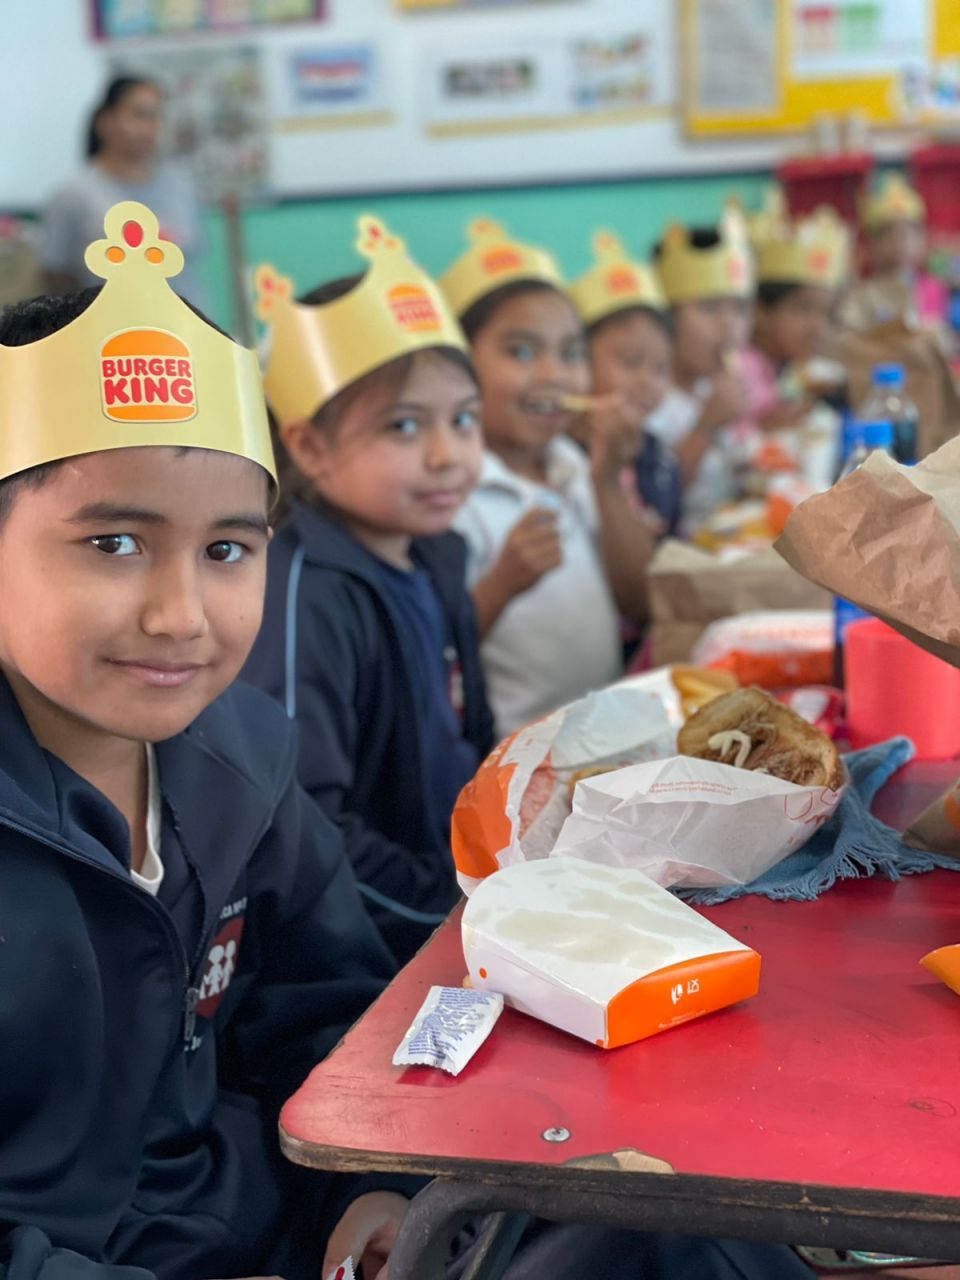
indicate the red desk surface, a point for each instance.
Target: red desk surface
{"x":845,"y":1070}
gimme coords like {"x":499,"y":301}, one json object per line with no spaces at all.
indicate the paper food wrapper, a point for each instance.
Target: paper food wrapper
{"x":514,"y":807}
{"x":937,"y":829}
{"x":690,"y":823}
{"x":690,"y":588}
{"x":773,"y":648}
{"x":601,"y":952}
{"x":887,"y":538}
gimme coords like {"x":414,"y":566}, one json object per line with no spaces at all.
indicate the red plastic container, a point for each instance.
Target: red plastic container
{"x":894,"y":687}
{"x":838,"y":180}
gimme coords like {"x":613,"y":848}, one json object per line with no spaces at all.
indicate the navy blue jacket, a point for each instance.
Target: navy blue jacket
{"x":333,"y":651}
{"x":147,"y":1044}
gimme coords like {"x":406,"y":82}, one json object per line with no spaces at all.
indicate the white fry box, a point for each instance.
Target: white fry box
{"x":691,"y":823}
{"x":601,"y":952}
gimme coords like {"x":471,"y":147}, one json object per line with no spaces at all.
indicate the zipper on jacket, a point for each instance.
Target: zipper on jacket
{"x":191,"y":999}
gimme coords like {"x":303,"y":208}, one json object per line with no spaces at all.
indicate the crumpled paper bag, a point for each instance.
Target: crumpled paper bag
{"x":690,"y":588}
{"x":691,"y":823}
{"x":887,"y":538}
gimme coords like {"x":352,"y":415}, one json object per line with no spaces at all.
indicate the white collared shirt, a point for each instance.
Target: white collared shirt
{"x":560,"y":639}
{"x":150,"y":876}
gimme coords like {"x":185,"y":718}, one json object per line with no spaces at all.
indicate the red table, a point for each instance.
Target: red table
{"x":827,"y":1110}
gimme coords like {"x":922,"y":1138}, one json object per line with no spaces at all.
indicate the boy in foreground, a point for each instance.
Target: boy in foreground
{"x":181,"y":935}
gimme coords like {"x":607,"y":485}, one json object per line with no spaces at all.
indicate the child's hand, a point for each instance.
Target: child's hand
{"x":787,"y":414}
{"x":727,"y":401}
{"x":532,"y":550}
{"x":367,"y":1232}
{"x":615,"y":437}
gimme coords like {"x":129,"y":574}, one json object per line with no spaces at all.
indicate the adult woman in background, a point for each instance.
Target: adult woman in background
{"x":122,"y":164}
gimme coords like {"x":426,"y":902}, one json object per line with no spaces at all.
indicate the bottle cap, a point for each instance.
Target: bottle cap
{"x":888,"y":375}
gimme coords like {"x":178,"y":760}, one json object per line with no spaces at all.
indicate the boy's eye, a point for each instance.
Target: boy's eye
{"x":116,"y":544}
{"x":406,"y":427}
{"x":522,"y":351}
{"x":574,"y":353}
{"x":466,"y":421}
{"x":225,"y":552}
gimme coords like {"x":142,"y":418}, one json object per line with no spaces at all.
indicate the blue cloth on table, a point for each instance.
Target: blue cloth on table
{"x":852,"y":845}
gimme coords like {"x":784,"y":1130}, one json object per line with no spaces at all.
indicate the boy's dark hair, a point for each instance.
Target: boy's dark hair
{"x":479,"y":315}
{"x":113,"y":95}
{"x":29,"y":321}
{"x":699,"y":238}
{"x":660,"y":318}
{"x":772,"y":292}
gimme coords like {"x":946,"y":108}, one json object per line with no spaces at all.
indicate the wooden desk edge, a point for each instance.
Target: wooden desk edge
{"x":805,"y":1199}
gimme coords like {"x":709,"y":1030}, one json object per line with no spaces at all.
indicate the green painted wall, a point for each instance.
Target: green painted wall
{"x":311,"y":240}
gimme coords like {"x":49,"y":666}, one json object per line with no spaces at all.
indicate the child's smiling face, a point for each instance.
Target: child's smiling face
{"x":133,"y":586}
{"x":528,"y":356}
{"x":398,"y":464}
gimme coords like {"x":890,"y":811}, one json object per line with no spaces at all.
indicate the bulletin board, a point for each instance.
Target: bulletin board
{"x":754,"y":67}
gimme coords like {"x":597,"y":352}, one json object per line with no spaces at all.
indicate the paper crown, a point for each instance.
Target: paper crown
{"x":894,"y":200}
{"x":138,"y":367}
{"x":724,"y":270}
{"x":615,"y":283}
{"x":813,"y":251}
{"x":316,"y":351}
{"x":494,"y":260}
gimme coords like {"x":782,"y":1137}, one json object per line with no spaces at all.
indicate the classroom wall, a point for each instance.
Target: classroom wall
{"x":312,"y":240}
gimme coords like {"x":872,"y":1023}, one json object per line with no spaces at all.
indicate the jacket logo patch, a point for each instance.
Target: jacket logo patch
{"x":221,"y":965}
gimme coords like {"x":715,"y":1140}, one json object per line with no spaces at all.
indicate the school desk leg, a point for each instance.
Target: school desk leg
{"x":432,"y":1223}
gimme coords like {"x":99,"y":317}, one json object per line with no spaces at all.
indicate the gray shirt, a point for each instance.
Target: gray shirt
{"x":74,"y":218}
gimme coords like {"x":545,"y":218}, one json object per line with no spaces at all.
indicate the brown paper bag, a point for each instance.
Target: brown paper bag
{"x":888,"y":538}
{"x":690,"y":588}
{"x":929,"y":383}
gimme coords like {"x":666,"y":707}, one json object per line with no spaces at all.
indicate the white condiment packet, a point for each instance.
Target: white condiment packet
{"x":452,"y":1024}
{"x":343,"y":1272}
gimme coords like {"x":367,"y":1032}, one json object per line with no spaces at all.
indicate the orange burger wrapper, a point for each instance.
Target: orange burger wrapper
{"x":887,"y":538}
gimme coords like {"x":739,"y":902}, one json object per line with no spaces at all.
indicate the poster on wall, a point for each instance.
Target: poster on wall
{"x":542,"y":83}
{"x":215,"y":114}
{"x":735,"y":58}
{"x":334,"y":85}
{"x":407,"y":5}
{"x":126,"y":19}
{"x":831,"y":39}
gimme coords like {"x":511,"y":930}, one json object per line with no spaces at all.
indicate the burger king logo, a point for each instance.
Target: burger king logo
{"x":503,"y":258}
{"x":413,"y":308}
{"x":146,"y":375}
{"x":621,"y":280}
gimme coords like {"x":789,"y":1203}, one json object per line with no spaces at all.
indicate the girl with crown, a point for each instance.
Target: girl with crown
{"x":369,"y":637}
{"x":556,"y":550}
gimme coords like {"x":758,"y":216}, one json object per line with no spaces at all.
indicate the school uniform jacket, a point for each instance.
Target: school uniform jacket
{"x":334,"y":652}
{"x":147,"y":1044}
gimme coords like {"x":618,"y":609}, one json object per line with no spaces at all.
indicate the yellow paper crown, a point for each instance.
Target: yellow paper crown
{"x":893,"y":201}
{"x":813,"y":251}
{"x":492,"y":260}
{"x":724,"y":270}
{"x":138,"y":367}
{"x":615,"y":283}
{"x":316,"y":351}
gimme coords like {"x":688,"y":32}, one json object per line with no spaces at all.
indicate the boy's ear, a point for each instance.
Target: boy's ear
{"x":308,"y":448}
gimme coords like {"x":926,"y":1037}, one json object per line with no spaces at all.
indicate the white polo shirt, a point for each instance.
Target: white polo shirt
{"x":560,"y":639}
{"x":715,"y":482}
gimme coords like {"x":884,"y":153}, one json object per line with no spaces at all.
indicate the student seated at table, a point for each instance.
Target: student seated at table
{"x":630,"y":350}
{"x":369,"y":637}
{"x":556,"y":550}
{"x":182,"y":937}
{"x":893,"y":218}
{"x":707,"y":278}
{"x":801,"y":266}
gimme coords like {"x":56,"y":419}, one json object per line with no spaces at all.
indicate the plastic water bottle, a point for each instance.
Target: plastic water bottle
{"x":863,"y":439}
{"x":888,"y":402}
